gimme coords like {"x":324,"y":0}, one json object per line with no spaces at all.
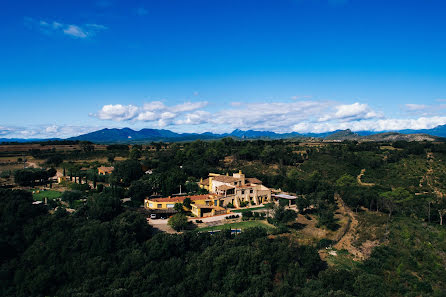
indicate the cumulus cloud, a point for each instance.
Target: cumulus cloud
{"x":195,"y":118}
{"x":46,"y":131}
{"x":118,"y":112}
{"x":188,"y":106}
{"x":351,"y":112}
{"x":299,"y":116}
{"x":76,"y":31}
{"x":154,"y":111}
{"x":276,"y":116}
{"x":371,"y":125}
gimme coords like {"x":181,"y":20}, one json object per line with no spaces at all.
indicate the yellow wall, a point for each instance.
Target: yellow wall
{"x":150,"y":204}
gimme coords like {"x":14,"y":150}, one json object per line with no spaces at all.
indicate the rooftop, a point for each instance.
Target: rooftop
{"x":225,"y":179}
{"x":225,"y":187}
{"x":180,"y":199}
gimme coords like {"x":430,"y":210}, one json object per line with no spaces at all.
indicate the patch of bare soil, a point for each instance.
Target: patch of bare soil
{"x":348,"y":235}
{"x":358,"y":178}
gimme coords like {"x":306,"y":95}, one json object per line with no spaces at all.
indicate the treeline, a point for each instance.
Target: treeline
{"x":33,"y":176}
{"x":104,"y":250}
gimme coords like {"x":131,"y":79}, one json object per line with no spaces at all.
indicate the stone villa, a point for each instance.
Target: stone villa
{"x":236,"y":189}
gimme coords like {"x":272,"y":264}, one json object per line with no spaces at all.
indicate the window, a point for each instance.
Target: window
{"x":170,"y":205}
{"x":159,"y":206}
{"x":150,"y":204}
{"x":243,"y":192}
{"x":251,"y":191}
{"x":216,"y":202}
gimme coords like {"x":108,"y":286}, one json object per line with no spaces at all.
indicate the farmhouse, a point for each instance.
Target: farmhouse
{"x":237,"y":189}
{"x":201,"y":205}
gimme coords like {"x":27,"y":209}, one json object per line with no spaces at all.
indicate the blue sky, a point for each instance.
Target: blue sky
{"x":69,"y":67}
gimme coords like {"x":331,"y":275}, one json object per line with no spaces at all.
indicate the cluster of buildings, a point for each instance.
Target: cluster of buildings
{"x":224,"y":191}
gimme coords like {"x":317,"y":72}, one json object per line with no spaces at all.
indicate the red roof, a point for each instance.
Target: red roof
{"x":180,"y":199}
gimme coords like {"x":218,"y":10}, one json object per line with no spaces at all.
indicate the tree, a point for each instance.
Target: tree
{"x":283,"y":216}
{"x":55,"y":160}
{"x":135,"y":153}
{"x":441,"y":209}
{"x":187,"y":203}
{"x":178,"y":221}
{"x":139,"y":190}
{"x":178,"y":207}
{"x":111,"y":159}
{"x":302,"y":204}
{"x":103,"y":206}
{"x":393,"y":199}
{"x":126,"y":172}
{"x":71,"y":196}
{"x":86,"y":146}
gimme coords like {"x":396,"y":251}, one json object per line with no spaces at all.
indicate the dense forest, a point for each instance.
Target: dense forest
{"x":106,"y":247}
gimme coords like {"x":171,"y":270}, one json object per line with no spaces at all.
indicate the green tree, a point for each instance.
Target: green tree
{"x":187,"y":202}
{"x":135,"y":153}
{"x":395,"y":198}
{"x":139,"y":190}
{"x":86,"y":146}
{"x":178,"y":207}
{"x":127,"y":171}
{"x":178,"y":221}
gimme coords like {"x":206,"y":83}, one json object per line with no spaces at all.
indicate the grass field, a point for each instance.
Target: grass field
{"x":246,"y":209}
{"x":240,"y":225}
{"x":48,"y":194}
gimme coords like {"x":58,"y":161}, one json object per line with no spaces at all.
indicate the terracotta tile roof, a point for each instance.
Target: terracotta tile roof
{"x":225,"y":187}
{"x":226,"y":179}
{"x":253,"y":180}
{"x":180,"y":199}
{"x":106,"y":169}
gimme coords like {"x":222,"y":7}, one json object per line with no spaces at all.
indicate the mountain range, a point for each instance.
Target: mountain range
{"x":127,"y":135}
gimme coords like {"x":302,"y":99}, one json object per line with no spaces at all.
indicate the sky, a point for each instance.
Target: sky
{"x":72,"y":67}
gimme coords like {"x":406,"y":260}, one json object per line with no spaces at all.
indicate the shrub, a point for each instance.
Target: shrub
{"x":178,"y":221}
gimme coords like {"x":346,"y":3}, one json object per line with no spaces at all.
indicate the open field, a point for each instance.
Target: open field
{"x":25,"y":147}
{"x":40,"y":195}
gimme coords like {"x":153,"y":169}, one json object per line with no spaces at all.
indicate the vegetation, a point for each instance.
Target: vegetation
{"x":394,"y":190}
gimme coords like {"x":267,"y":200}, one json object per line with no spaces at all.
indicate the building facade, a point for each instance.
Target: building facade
{"x":201,"y":205}
{"x":237,"y":189}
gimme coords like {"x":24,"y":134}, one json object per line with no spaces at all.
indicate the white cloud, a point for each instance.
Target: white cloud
{"x":415,"y":107}
{"x":350,"y":112}
{"x":148,"y":116}
{"x":372,"y":125}
{"x":154,"y":105}
{"x":195,"y":118}
{"x":188,"y":106}
{"x":154,"y":111}
{"x":76,"y":31}
{"x":46,"y":131}
{"x":118,"y":112}
{"x":299,"y":116}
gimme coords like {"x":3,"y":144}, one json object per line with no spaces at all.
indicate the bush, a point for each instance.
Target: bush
{"x":5,"y":174}
{"x":178,"y":221}
{"x":323,"y":243}
{"x":247,"y":214}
